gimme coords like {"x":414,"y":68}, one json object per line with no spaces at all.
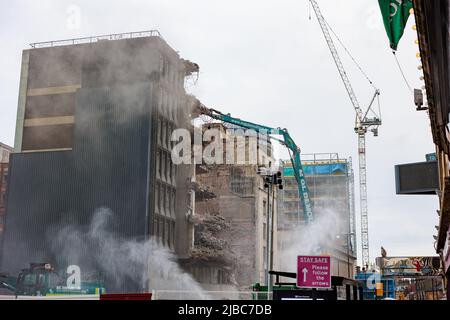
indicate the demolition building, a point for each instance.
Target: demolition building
{"x":230,"y":238}
{"x":331,"y":189}
{"x":94,"y":124}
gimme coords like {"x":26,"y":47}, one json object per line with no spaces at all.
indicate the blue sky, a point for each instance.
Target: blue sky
{"x":267,"y":62}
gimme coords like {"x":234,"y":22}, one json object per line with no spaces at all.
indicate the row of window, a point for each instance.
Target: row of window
{"x":207,"y":274}
{"x":2,"y":199}
{"x":295,"y":207}
{"x":4,"y":155}
{"x":165,"y":193}
{"x":165,"y":196}
{"x":164,"y":133}
{"x":291,"y":206}
{"x":3,"y":179}
{"x":164,"y":231}
{"x":167,"y":106}
{"x":4,"y":176}
{"x":171,"y":72}
{"x":165,"y":168}
{"x":340,"y":182}
{"x":292,"y":194}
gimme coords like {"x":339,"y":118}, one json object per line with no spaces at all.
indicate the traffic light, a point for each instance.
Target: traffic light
{"x":278,"y":180}
{"x":274,"y":179}
{"x":267,"y":182}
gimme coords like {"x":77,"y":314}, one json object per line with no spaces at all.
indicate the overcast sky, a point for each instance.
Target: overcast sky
{"x":267,"y":62}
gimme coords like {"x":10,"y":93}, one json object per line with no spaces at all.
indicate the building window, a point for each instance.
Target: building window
{"x":167,"y":134}
{"x":161,"y":64}
{"x":173,"y":201}
{"x":264,"y":258}
{"x":172,"y":177}
{"x":170,"y":199}
{"x":166,"y":68}
{"x":161,"y":198}
{"x":158,"y":131}
{"x":172,"y":110}
{"x":155,"y":227}
{"x":157,"y":191}
{"x":158,"y":162}
{"x":167,"y":234}
{"x":172,"y":235}
{"x":169,"y":167}
{"x":163,"y":132}
{"x":264,"y":207}
{"x":161,"y":231}
{"x":166,"y":208}
{"x":162,"y":164}
{"x":264,"y":230}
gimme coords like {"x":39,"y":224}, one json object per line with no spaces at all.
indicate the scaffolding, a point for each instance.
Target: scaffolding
{"x":331,"y":184}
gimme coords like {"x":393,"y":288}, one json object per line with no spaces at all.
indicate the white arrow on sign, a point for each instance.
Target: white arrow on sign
{"x":305,"y":272}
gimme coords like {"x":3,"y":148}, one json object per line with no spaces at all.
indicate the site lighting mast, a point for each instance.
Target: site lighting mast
{"x":362,"y":124}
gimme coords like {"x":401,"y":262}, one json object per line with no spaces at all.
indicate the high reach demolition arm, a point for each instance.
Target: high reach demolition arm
{"x":287,"y":141}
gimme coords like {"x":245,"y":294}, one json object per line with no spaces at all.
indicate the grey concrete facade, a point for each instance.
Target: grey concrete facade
{"x":94,"y":131}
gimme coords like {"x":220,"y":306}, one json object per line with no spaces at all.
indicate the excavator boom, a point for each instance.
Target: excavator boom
{"x":287,"y":141}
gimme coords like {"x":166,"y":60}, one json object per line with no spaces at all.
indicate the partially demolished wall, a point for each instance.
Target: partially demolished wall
{"x":225,"y":225}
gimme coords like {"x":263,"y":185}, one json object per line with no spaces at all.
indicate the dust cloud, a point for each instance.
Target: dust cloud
{"x":123,"y":260}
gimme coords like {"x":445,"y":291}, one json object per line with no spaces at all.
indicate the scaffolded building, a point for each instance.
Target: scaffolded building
{"x":331,"y":189}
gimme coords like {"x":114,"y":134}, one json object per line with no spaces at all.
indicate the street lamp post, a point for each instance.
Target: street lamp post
{"x":348,"y":250}
{"x":348,"y":255}
{"x":269,"y":181}
{"x":268,"y":242}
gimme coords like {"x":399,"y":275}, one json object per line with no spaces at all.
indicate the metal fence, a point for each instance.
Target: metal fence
{"x":116,"y":36}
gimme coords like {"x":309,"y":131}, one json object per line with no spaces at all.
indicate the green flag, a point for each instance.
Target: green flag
{"x":395,"y":15}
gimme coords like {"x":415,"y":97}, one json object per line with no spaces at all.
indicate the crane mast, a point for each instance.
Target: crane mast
{"x":362,"y":123}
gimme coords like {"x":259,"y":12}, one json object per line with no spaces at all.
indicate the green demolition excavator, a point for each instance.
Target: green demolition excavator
{"x":287,"y":141}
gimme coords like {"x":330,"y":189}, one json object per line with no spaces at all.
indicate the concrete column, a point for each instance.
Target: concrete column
{"x":23,"y":88}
